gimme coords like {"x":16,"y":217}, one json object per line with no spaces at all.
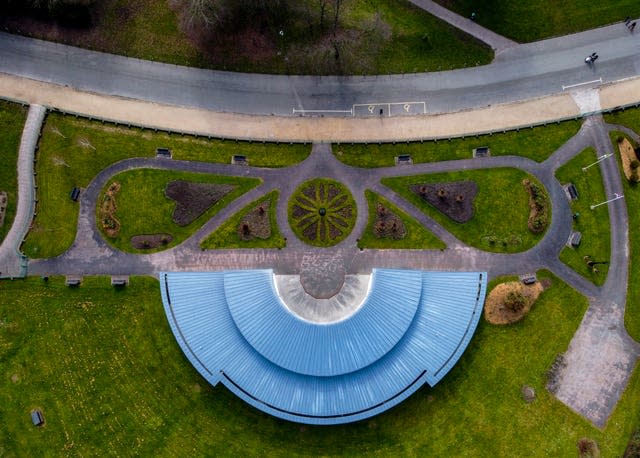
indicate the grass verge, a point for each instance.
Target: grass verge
{"x":226,"y":236}
{"x":143,"y":208}
{"x":73,"y":150}
{"x":593,"y":224}
{"x":537,"y":143}
{"x":105,"y":369}
{"x":417,"y":236}
{"x":632,"y":200}
{"x":12,"y":118}
{"x":629,"y":117}
{"x":501,"y":208}
{"x":531,"y":21}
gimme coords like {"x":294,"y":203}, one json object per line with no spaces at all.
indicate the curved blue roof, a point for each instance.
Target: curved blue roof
{"x":323,"y":349}
{"x":445,"y":319}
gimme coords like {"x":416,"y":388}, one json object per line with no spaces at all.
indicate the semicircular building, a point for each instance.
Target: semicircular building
{"x":380,"y":340}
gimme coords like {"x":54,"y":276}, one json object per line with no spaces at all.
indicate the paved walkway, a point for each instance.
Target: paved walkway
{"x":497,"y":42}
{"x":12,"y":262}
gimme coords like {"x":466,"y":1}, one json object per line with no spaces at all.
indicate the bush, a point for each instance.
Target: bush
{"x":515,"y":301}
{"x":588,"y":448}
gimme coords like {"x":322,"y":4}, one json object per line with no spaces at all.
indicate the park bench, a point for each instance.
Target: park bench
{"x":575,"y":239}
{"x":403,"y":159}
{"x":238,"y":159}
{"x":481,"y":151}
{"x":74,"y":194}
{"x":37,"y":418}
{"x":163,"y":153}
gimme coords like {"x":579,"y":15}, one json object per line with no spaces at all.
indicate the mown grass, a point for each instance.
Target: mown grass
{"x":12,"y":118}
{"x":632,"y":200}
{"x":536,"y":143}
{"x":143,"y":208}
{"x":593,"y":224}
{"x":63,"y":162}
{"x":629,"y":118}
{"x":417,"y":236}
{"x":501,"y":208}
{"x":226,"y":236}
{"x":531,"y":21}
{"x":105,"y":369}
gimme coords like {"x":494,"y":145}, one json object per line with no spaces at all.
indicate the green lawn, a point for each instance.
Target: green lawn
{"x":501,"y":208}
{"x":143,"y":208}
{"x":63,"y":162}
{"x":537,"y":144}
{"x":12,"y":118}
{"x":105,"y":369}
{"x":374,"y":38}
{"x":629,"y":118}
{"x":632,"y":200}
{"x":531,"y":21}
{"x":226,"y":236}
{"x":417,"y":236}
{"x":593,"y":224}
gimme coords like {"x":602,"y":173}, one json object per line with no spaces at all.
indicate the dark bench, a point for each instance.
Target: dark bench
{"x":72,"y":280}
{"x":528,"y":279}
{"x":163,"y":153}
{"x":238,"y":159}
{"x":571,"y":191}
{"x":481,"y":151}
{"x":404,"y":159}
{"x":119,"y":281}
{"x":74,"y":194}
{"x":575,"y":239}
{"x":37,"y":418}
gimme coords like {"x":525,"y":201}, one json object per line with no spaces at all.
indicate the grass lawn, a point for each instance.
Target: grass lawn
{"x":629,"y":118}
{"x":374,"y":38}
{"x":593,"y":224}
{"x":501,"y":208}
{"x":12,"y":118}
{"x":143,"y":208}
{"x":226,"y":236}
{"x":105,"y":369}
{"x":537,"y":143}
{"x":531,"y":21}
{"x":632,"y":199}
{"x":63,"y":162}
{"x":417,"y":236}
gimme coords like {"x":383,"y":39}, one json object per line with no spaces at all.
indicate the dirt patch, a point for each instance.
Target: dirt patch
{"x":454,"y":199}
{"x":628,"y":156}
{"x":256,"y":223}
{"x":538,"y":207}
{"x":107,"y":213}
{"x":150,"y":241}
{"x":388,"y":224}
{"x":193,"y":199}
{"x":495,"y":308}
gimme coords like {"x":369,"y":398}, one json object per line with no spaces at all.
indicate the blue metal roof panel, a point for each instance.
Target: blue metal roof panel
{"x":293,"y":396}
{"x":323,"y":349}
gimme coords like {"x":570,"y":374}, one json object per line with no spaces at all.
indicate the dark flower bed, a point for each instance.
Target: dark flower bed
{"x":256,"y":223}
{"x":193,"y":199}
{"x":150,"y":241}
{"x":388,"y":224}
{"x":454,"y":199}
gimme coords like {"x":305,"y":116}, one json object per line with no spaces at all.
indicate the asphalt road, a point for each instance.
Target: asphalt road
{"x":521,"y":72}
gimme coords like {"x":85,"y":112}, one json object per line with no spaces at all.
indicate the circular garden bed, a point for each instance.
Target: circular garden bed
{"x":322,"y":212}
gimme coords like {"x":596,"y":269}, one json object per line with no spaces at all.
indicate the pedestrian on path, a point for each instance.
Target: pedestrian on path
{"x":627,"y":20}
{"x":632,"y":26}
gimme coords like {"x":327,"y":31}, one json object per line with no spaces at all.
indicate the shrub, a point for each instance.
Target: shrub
{"x":515,"y":301}
{"x":588,"y":448}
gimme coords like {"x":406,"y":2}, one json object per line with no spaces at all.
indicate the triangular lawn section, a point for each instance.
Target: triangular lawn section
{"x":417,"y":237}
{"x":229,"y":234}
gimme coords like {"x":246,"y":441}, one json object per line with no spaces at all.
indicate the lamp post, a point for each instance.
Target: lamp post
{"x":600,"y":159}
{"x":617,"y":196}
